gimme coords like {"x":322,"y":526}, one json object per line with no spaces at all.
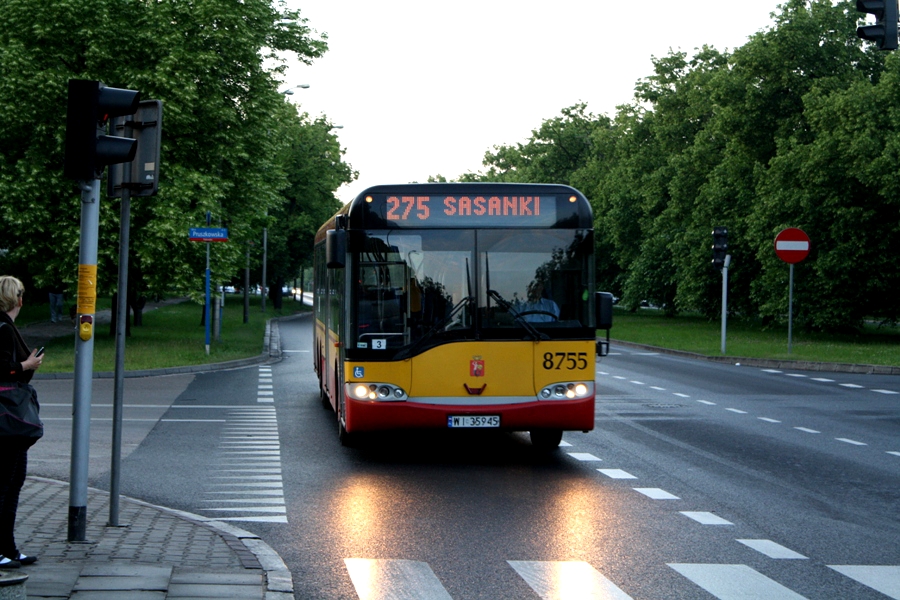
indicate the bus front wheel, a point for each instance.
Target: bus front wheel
{"x":546,"y":439}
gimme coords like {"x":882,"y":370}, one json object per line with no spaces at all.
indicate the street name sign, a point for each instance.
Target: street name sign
{"x":208,"y":234}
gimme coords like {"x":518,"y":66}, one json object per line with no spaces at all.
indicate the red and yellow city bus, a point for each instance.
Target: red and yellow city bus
{"x":460,"y":305}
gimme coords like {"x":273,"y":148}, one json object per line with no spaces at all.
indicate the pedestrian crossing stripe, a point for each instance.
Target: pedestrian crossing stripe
{"x":384,"y":579}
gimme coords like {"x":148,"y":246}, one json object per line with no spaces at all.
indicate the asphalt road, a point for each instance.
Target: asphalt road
{"x":700,"y":480}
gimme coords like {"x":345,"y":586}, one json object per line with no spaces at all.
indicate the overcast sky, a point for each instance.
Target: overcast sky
{"x":424,"y":88}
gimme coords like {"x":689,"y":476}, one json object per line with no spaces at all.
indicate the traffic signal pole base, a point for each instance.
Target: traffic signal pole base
{"x":77,"y":523}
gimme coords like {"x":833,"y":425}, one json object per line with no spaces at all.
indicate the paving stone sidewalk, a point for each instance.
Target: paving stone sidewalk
{"x":157,"y":553}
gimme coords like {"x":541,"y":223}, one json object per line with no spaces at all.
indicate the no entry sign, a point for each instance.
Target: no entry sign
{"x":792,"y":245}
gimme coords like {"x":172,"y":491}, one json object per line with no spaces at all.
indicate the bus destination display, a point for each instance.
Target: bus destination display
{"x":465,"y":211}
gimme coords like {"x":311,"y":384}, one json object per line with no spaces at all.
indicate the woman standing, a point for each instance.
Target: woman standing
{"x":13,"y":451}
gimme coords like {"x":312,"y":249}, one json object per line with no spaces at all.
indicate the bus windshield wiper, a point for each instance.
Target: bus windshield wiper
{"x":406,"y":353}
{"x":509,"y":307}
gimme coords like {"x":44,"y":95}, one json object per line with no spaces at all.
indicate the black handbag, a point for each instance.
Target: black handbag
{"x":19,"y":412}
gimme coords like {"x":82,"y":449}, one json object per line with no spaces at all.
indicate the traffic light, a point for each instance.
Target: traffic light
{"x":88,"y":150}
{"x":719,"y":247}
{"x":884,"y":31}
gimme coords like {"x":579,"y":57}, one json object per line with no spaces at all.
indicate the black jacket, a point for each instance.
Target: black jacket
{"x":13,"y":351}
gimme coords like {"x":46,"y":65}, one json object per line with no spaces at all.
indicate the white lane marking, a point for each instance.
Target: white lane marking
{"x":894,"y":452}
{"x":885,"y":579}
{"x":768,"y":420}
{"x":637,"y":382}
{"x":617,"y":474}
{"x":681,"y":395}
{"x":850,"y":385}
{"x":854,"y":442}
{"x":706,"y":402}
{"x":272,"y":400}
{"x":657,"y":388}
{"x":705,"y":518}
{"x":647,"y":353}
{"x":771,"y":371}
{"x":807,"y":430}
{"x":735,"y":410}
{"x":257,"y":509}
{"x":584,"y":456}
{"x":565,"y":444}
{"x":619,"y":377}
{"x":656,"y":494}
{"x":249,"y":519}
{"x":886,"y":391}
{"x":380,"y":579}
{"x":733,"y":582}
{"x":773,"y":550}
{"x":567,"y":580}
{"x":796,"y":375}
{"x":264,"y":386}
{"x":823,"y":379}
{"x":602,"y":373}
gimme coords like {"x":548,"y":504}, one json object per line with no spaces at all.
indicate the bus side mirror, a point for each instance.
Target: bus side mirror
{"x":603,"y":308}
{"x":335,"y":248}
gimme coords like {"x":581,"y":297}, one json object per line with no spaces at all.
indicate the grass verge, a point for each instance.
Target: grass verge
{"x":174,"y":336}
{"x":872,"y":346}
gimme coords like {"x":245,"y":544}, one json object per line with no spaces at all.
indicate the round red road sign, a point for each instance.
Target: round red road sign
{"x":792,"y":245}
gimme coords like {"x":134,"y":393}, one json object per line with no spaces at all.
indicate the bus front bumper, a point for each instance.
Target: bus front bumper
{"x":568,"y":415}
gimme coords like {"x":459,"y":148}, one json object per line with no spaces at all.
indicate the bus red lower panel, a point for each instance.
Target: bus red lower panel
{"x":570,"y":415}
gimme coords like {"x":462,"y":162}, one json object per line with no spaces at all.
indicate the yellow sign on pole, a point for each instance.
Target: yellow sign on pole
{"x":87,"y":289}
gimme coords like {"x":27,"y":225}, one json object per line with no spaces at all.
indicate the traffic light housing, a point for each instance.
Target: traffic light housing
{"x":88,"y":149}
{"x":719,"y":247}
{"x":884,"y":31}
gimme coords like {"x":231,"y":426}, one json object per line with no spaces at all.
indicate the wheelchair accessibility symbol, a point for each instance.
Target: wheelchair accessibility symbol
{"x":359,"y":372}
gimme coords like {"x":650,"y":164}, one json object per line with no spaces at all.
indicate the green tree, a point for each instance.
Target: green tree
{"x":222,"y":149}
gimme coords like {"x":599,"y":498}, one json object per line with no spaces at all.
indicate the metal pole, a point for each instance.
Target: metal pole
{"x":265,"y":251}
{"x":247,"y":288}
{"x":791,"y":309}
{"x":206,"y":315}
{"x":725,"y":299}
{"x":121,"y":324}
{"x":84,"y":360}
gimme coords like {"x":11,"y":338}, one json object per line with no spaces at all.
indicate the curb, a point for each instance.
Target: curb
{"x":798,"y":365}
{"x":271,"y":354}
{"x":252,"y":551}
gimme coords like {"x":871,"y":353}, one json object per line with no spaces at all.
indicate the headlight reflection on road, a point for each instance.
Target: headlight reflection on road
{"x":358,"y":514}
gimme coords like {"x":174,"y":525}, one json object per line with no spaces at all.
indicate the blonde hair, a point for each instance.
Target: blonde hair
{"x":11,"y":289}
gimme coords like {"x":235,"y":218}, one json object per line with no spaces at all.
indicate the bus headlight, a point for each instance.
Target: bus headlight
{"x":377,"y":391}
{"x":570,"y":390}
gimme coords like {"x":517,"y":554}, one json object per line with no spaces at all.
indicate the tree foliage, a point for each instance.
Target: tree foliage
{"x":228,"y":134}
{"x":797,"y":127}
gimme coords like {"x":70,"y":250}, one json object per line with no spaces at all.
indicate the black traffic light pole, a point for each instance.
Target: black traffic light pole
{"x":87,"y":151}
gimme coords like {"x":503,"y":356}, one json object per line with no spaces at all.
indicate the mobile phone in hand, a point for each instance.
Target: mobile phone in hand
{"x":40,"y":351}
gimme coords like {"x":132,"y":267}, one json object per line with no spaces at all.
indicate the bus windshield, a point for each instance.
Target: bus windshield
{"x":416,"y":286}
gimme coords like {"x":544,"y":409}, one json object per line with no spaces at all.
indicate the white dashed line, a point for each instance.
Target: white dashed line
{"x":656,"y":494}
{"x":706,"y":402}
{"x":771,"y":371}
{"x":894,"y":452}
{"x":772,"y":550}
{"x":768,"y":420}
{"x":853,"y":442}
{"x":886,"y":391}
{"x":850,"y":385}
{"x":823,"y":379}
{"x":617,"y":474}
{"x":806,"y":430}
{"x":584,"y":456}
{"x":705,"y":518}
{"x":681,"y":395}
{"x":638,"y":382}
{"x":657,"y":388}
{"x":795,"y":375}
{"x":735,"y":410}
